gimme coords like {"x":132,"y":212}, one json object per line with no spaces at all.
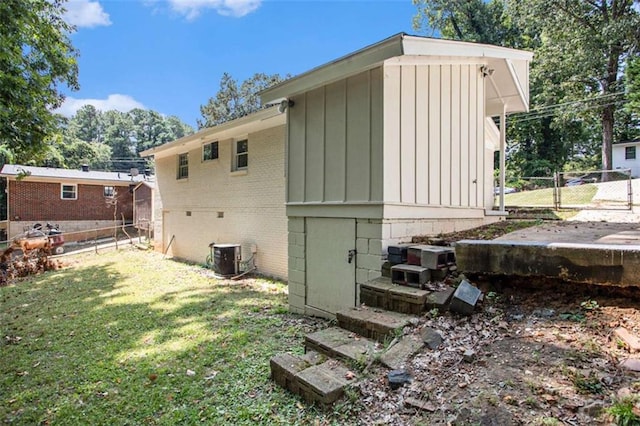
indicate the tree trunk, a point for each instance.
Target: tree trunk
{"x":607,"y":137}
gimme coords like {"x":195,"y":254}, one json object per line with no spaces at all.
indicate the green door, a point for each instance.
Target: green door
{"x":331,"y":271}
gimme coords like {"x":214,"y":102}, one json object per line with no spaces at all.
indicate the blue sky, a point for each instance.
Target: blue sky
{"x":169,"y":55}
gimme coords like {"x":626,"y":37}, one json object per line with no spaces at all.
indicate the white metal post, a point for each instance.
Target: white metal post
{"x":503,"y":153}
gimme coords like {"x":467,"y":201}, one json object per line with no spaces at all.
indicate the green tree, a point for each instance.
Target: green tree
{"x":583,"y":46}
{"x":233,"y":101}
{"x":471,"y":20}
{"x":36,"y":58}
{"x":85,"y":124}
{"x":633,"y":85}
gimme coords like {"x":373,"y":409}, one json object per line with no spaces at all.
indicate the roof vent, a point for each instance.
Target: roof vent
{"x":85,"y":167}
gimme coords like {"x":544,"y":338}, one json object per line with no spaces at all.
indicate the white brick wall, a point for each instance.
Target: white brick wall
{"x":252,"y":203}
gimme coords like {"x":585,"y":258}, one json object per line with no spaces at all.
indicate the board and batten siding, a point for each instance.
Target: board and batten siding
{"x":335,"y":142}
{"x":434,"y":136}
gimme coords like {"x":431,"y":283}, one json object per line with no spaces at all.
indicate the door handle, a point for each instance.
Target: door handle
{"x":351,"y":254}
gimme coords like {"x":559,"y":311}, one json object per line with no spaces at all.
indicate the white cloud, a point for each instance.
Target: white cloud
{"x":191,"y":9}
{"x":86,"y":13}
{"x":116,"y":101}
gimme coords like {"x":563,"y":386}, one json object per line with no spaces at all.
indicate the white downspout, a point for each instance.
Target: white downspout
{"x":503,"y":153}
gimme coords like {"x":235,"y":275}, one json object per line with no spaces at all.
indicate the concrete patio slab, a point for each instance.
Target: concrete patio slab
{"x":588,"y":252}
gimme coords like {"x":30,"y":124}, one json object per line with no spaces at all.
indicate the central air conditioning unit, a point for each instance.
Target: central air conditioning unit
{"x":226,"y":259}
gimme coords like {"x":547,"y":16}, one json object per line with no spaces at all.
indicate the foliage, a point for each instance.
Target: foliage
{"x":623,"y":412}
{"x":36,"y":58}
{"x":474,"y":20}
{"x":234,"y":101}
{"x":579,"y":62}
{"x":112,"y":140}
{"x":633,"y":85}
{"x":576,"y":75}
{"x":129,"y":338}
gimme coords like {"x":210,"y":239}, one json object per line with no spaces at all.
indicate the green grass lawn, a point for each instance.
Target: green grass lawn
{"x":571,"y":195}
{"x":129,"y":338}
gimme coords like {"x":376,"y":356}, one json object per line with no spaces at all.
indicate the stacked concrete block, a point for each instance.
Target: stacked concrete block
{"x":410,"y":275}
{"x":297,"y":265}
{"x":432,"y":257}
{"x":397,"y":253}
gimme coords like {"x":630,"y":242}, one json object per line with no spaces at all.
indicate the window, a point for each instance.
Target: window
{"x":630,"y":153}
{"x":69,"y":192}
{"x":183,"y":166}
{"x":241,"y":154}
{"x":210,"y":151}
{"x":110,"y":191}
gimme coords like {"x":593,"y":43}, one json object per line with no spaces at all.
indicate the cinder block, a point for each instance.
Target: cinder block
{"x":432,"y":257}
{"x":465,"y":298}
{"x":410,"y":275}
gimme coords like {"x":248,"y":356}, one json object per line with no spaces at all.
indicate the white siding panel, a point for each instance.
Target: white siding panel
{"x":445,"y":136}
{"x":392,"y":134}
{"x":377,"y":129}
{"x":434,"y":135}
{"x":335,"y":142}
{"x":358,"y":138}
{"x":465,"y":179}
{"x":422,"y":135}
{"x":314,"y":149}
{"x":473,"y":138}
{"x":408,"y":134}
{"x":296,"y":151}
{"x":480,"y":147}
{"x":455,"y":135}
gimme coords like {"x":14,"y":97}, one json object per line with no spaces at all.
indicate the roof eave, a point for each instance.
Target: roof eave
{"x":358,"y":61}
{"x":210,"y":133}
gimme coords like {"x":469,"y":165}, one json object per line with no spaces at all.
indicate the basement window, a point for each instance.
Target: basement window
{"x":109,"y":191}
{"x":69,"y":192}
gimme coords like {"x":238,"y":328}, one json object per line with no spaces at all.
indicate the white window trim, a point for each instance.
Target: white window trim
{"x":75,"y":191}
{"x":113,"y":191}
{"x":234,"y":165}
{"x":209,"y":143}
{"x":178,"y":177}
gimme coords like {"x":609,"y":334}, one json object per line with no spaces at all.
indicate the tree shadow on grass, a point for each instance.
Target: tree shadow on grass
{"x":155,"y":342}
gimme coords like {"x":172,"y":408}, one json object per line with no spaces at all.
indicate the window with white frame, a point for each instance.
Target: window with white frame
{"x":630,"y":153}
{"x":210,"y":151}
{"x":183,"y":166}
{"x":69,"y":191}
{"x":109,"y":191}
{"x":241,"y":154}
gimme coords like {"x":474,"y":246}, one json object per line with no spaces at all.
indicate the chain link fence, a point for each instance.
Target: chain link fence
{"x":597,"y":190}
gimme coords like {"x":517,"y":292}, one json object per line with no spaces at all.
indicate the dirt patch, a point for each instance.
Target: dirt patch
{"x":486,"y":232}
{"x":533,"y":356}
{"x":535,"y":352}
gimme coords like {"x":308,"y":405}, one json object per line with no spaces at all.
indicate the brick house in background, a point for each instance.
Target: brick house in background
{"x":77,"y":200}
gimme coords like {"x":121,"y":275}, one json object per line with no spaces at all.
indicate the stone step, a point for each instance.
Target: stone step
{"x":373,"y":323}
{"x":312,"y":376}
{"x":336,"y":342}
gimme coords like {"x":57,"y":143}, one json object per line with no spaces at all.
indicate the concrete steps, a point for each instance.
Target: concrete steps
{"x":369,"y":333}
{"x":335,"y":355}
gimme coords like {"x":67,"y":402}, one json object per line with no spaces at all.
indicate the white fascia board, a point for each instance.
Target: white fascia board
{"x":354,"y":63}
{"x":257,"y":121}
{"x":75,"y":181}
{"x":414,"y":45}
